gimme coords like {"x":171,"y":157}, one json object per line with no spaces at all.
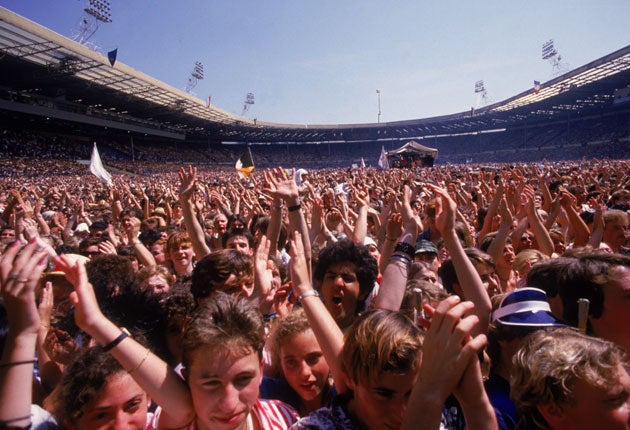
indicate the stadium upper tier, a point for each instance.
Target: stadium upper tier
{"x":48,"y":75}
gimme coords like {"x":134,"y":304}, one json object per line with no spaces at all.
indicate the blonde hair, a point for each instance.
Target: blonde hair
{"x":380,"y":341}
{"x":550,"y":362}
{"x":532,"y":256}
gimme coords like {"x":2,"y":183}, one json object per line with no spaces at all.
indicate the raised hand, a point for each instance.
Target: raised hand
{"x":445,"y":210}
{"x":19,"y":275}
{"x":188,"y":182}
{"x":280,"y":184}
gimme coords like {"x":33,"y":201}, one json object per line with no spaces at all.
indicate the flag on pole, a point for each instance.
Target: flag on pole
{"x":97,"y":169}
{"x":245,"y":164}
{"x":536,"y":87}
{"x":362,"y":163}
{"x":208,"y":102}
{"x":382,"y":160}
{"x":111,"y":56}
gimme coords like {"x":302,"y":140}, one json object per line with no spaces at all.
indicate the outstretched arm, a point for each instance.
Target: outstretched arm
{"x":188,"y":180}
{"x":327,"y":332}
{"x":469,"y":279}
{"x":19,"y":275}
{"x":392,"y":289}
{"x":160,"y":382}
{"x":281,"y":185}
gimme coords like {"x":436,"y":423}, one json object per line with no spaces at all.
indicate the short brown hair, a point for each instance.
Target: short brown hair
{"x":380,"y":341}
{"x":224,"y":323}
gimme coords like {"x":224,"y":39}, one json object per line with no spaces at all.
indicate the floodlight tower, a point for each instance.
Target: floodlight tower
{"x":95,"y":12}
{"x":249,"y":100}
{"x":482,"y":93}
{"x":195,"y":76}
{"x":550,"y":54}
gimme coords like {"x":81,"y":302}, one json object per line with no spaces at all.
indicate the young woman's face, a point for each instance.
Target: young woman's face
{"x":304,"y":366}
{"x":121,"y":404}
{"x":382,"y":404}
{"x":224,"y":387}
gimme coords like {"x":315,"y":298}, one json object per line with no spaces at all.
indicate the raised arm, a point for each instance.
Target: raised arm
{"x":328,"y":334}
{"x":188,"y":179}
{"x":282,"y":185}
{"x":19,"y":274}
{"x":160,"y":382}
{"x":469,"y":279}
{"x":392,"y":289}
{"x":132,"y":228}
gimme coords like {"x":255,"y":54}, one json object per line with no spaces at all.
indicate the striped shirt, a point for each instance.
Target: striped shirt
{"x":271,"y":415}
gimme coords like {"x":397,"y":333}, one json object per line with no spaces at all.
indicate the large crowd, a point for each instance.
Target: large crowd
{"x":478,"y":296}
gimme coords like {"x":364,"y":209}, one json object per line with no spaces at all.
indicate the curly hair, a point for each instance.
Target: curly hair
{"x":111,"y":275}
{"x":344,"y":251}
{"x":548,"y":365}
{"x":81,"y":383}
{"x":380,"y":341}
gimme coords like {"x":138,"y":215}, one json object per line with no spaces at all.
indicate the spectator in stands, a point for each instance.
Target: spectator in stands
{"x":566,"y":380}
{"x":616,"y":230}
{"x":239,"y":239}
{"x":344,"y":276}
{"x":602,"y":279}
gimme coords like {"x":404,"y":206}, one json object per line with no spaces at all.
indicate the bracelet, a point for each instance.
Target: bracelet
{"x":276,"y":207}
{"x":390,"y":239}
{"x":146,"y":354}
{"x":400,"y":257}
{"x":294,"y":208}
{"x":17,"y":363}
{"x":405,"y":248}
{"x":123,"y":334}
{"x":310,"y":293}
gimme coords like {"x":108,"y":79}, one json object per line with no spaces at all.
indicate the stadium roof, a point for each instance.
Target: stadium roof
{"x":48,"y":75}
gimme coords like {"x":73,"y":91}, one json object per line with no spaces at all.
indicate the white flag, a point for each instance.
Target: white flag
{"x":362,"y":163}
{"x":96,"y":167}
{"x":382,"y":160}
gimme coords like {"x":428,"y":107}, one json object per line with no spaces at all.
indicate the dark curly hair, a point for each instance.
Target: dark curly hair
{"x":343,"y":251}
{"x":82,"y":382}
{"x":214,"y":269}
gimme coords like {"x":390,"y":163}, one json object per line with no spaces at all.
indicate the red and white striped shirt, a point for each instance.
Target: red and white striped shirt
{"x":270,"y":414}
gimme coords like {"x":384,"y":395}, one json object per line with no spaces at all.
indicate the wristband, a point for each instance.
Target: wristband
{"x":123,"y":334}
{"x":310,"y":293}
{"x":406,"y":249}
{"x":294,"y":208}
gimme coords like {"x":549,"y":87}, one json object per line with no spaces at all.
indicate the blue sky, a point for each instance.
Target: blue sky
{"x":321,"y":62}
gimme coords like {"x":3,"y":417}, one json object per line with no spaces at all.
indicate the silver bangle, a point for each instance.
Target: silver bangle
{"x":310,"y":293}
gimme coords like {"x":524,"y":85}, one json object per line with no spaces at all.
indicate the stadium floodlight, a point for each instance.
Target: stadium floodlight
{"x":195,"y":76}
{"x":548,"y":50}
{"x":249,"y":101}
{"x":99,"y":9}
{"x":482,"y":94}
{"x":96,"y":12}
{"x":551,"y":54}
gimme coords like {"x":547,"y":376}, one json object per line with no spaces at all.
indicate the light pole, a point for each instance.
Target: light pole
{"x":378,"y":94}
